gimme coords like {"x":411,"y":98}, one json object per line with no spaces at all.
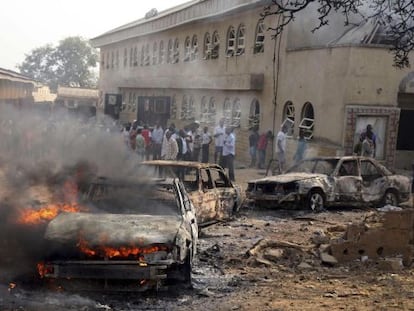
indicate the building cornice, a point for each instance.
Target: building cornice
{"x":189,"y":12}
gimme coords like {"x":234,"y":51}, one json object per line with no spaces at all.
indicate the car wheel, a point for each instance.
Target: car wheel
{"x":390,"y":198}
{"x":316,"y":201}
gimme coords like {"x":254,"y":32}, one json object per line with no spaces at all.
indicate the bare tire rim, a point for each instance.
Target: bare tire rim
{"x":390,"y":199}
{"x":316,"y":202}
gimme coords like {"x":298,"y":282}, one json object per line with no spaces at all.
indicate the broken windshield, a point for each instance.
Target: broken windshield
{"x":316,"y":166}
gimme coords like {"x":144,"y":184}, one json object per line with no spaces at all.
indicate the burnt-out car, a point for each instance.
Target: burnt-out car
{"x":325,"y":181}
{"x":133,"y":236}
{"x":213,"y":194}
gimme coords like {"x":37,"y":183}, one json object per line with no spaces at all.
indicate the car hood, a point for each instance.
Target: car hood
{"x":113,"y":229}
{"x":287,"y":178}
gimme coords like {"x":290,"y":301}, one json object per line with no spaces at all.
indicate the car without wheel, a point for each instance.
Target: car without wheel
{"x":320,"y":182}
{"x":213,"y":194}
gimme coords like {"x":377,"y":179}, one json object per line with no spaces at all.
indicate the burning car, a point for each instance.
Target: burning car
{"x":213,"y":194}
{"x":132,"y":237}
{"x":326,"y":181}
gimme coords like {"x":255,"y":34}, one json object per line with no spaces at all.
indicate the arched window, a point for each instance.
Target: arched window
{"x":259,"y":38}
{"x":154,"y":53}
{"x":207,"y":46}
{"x":125,"y":57}
{"x":147,"y":55}
{"x":184,"y":108}
{"x":112,"y":60}
{"x":240,"y":40}
{"x":289,"y":117}
{"x":231,"y":41}
{"x":191,"y":109}
{"x":204,"y":109}
{"x":176,"y":56}
{"x":173,"y":108}
{"x":102,"y":60}
{"x":308,"y":120}
{"x":236,"y":113}
{"x":161,"y":57}
{"x":216,"y":45}
{"x":117,"y":59}
{"x":194,"y":48}
{"x":211,"y":117}
{"x":131,"y":57}
{"x":187,"y":49}
{"x":142,"y":56}
{"x":134,"y":102}
{"x":254,"y":115}
{"x":170,"y":52}
{"x":227,"y":111}
{"x":135,"y":56}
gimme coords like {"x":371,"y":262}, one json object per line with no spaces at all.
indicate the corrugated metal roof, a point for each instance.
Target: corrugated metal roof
{"x":77,"y":92}
{"x":6,"y":74}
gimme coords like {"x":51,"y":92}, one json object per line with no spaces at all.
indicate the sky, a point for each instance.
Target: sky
{"x":27,"y":24}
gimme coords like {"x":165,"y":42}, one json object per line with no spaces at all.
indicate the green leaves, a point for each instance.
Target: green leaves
{"x":71,"y":63}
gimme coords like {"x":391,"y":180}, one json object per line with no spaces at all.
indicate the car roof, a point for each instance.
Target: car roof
{"x":193,"y":164}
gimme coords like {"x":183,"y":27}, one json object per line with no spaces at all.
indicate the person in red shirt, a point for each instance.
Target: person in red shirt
{"x":261,"y":148}
{"x":147,"y":138}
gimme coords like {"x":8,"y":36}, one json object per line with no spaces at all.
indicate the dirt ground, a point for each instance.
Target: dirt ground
{"x":227,"y":276}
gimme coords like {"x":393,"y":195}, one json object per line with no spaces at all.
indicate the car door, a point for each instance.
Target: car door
{"x":226,"y":193}
{"x":348,"y":182}
{"x":189,"y":214}
{"x":206,"y":198}
{"x":374,"y":183}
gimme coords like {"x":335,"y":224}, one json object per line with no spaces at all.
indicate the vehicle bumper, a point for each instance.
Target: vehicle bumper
{"x":102,"y":270}
{"x":276,"y":198}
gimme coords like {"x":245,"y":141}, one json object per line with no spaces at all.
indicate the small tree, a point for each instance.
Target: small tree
{"x":71,"y":63}
{"x":396,"y":16}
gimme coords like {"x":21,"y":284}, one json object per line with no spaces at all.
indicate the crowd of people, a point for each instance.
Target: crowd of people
{"x":190,"y":143}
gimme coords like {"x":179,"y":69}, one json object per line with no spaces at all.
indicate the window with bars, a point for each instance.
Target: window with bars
{"x":161,"y":57}
{"x":142,"y":60}
{"x":131,"y":57}
{"x":240,"y":40}
{"x":231,"y":41}
{"x":194,"y":48}
{"x":147,"y":57}
{"x":117,"y":59}
{"x":308,"y":120}
{"x":176,"y":51}
{"x":227,"y":114}
{"x":170,"y":51}
{"x":208,"y":110}
{"x":154,"y":53}
{"x":135,"y":56}
{"x":207,"y":46}
{"x":187,"y":49}
{"x":259,"y":38}
{"x":173,"y":107}
{"x":236,"y":113}
{"x":254,"y":115}
{"x":289,"y":118}
{"x":215,"y":45}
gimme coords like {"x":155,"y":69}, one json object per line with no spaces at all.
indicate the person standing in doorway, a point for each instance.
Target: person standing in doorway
{"x":147,"y":137}
{"x":229,"y":152}
{"x":205,"y":145}
{"x":219,"y":132}
{"x":371,"y":135}
{"x":301,"y":148}
{"x":253,"y":140}
{"x":281,"y":148}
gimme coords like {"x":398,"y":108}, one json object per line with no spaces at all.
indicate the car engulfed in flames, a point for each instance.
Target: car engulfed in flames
{"x":134,"y":236}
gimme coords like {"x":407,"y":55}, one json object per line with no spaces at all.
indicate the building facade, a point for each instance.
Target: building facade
{"x":212,"y":59}
{"x":15,"y":89}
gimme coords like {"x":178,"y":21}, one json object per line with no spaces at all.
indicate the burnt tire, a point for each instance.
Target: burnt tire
{"x":390,"y":198}
{"x":316,"y":201}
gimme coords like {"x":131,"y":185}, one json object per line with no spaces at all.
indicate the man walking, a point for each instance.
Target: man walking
{"x":157,"y":137}
{"x":169,"y":148}
{"x":281,"y":148}
{"x":253,"y":140}
{"x":205,"y":145}
{"x":219,"y":131}
{"x":229,"y":151}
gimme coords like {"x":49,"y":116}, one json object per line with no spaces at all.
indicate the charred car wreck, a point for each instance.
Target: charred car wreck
{"x":133,"y":236}
{"x":214,"y":196}
{"x":320,"y":182}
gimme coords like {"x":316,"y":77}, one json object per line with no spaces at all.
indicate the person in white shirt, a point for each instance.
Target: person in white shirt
{"x":219,"y":132}
{"x":157,"y":137}
{"x":229,"y":152}
{"x":170,"y":147}
{"x":205,"y":145}
{"x":281,"y":148}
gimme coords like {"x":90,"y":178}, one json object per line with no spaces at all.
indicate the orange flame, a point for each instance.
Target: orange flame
{"x":41,"y":269}
{"x":123,"y":251}
{"x":33,"y":217}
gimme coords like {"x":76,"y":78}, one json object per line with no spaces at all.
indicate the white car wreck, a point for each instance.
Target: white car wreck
{"x":133,"y":236}
{"x":316,"y":183}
